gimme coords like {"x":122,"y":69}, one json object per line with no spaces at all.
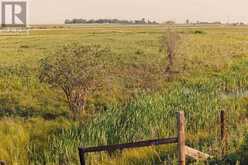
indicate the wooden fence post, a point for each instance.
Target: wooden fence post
{"x":2,"y":162}
{"x":223,"y":134}
{"x":82,"y":156}
{"x":181,"y":138}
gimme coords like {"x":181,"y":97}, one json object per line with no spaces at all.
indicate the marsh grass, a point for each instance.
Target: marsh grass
{"x":153,"y":116}
{"x":137,"y":103}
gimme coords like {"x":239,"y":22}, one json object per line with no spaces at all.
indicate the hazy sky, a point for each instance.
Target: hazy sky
{"x":55,"y":11}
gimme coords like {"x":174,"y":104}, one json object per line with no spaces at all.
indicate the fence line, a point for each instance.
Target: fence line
{"x":110,"y":148}
{"x":183,"y":150}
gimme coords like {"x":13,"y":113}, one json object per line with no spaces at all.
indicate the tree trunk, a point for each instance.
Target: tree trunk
{"x":77,"y":104}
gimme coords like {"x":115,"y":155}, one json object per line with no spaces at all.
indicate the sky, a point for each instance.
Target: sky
{"x":56,"y":11}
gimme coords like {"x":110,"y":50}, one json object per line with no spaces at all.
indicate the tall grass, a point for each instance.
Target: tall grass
{"x":154,"y":116}
{"x":137,"y":103}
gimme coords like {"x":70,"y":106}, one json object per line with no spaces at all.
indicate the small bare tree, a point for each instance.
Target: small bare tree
{"x":77,"y":70}
{"x":169,"y":44}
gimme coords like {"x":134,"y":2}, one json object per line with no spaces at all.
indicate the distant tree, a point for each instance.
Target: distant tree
{"x":108,"y":21}
{"x":187,"y":21}
{"x":170,"y":22}
{"x":143,"y":20}
{"x":154,"y":22}
{"x":217,"y":22}
{"x":241,"y":23}
{"x":68,"y":21}
{"x":77,"y":70}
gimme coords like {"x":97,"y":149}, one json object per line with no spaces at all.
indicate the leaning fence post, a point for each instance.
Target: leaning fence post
{"x":181,"y":138}
{"x":81,"y":156}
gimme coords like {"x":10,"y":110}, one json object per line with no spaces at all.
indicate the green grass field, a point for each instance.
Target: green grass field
{"x":137,"y":103}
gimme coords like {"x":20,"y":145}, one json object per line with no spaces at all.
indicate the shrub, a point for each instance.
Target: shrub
{"x":77,"y":70}
{"x":169,"y":44}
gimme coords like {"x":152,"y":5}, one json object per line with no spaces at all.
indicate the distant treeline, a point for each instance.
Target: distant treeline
{"x":108,"y":21}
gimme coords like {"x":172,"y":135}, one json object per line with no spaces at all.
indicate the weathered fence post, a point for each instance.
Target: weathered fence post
{"x":2,"y":162}
{"x":181,"y":138}
{"x":223,"y":134}
{"x":81,"y":156}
